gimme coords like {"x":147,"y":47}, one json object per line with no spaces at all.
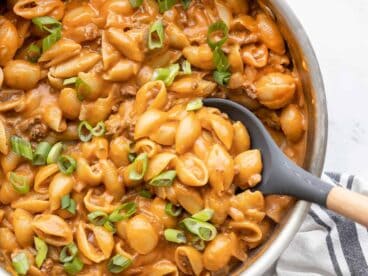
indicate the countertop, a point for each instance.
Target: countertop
{"x":338,"y":32}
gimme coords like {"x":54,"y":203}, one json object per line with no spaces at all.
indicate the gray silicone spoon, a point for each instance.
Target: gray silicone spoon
{"x":282,"y":176}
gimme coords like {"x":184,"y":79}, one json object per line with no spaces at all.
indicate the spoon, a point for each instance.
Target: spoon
{"x":281,"y":176}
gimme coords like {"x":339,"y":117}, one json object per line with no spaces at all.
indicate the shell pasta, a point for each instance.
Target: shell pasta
{"x":109,"y":161}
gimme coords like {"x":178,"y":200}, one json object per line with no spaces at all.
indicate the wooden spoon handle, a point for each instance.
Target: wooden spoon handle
{"x":349,"y":204}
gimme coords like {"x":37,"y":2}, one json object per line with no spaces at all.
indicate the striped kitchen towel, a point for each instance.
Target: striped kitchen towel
{"x":328,"y":244}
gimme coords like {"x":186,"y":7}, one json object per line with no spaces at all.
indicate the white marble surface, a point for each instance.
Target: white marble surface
{"x":338,"y":30}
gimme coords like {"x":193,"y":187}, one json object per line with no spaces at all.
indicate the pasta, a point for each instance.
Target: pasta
{"x":110,"y":163}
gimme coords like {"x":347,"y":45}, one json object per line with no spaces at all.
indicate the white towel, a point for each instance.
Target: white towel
{"x":328,"y":244}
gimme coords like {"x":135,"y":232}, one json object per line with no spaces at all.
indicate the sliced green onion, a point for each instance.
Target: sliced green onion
{"x":66,"y":164}
{"x":33,"y":53}
{"x":20,"y":263}
{"x":156,"y":35}
{"x":99,"y":129}
{"x":203,"y":230}
{"x":67,"y":203}
{"x":136,"y":3}
{"x":173,"y":235}
{"x":186,"y":3}
{"x":186,"y":67}
{"x":41,"y":153}
{"x":221,"y":78}
{"x":165,"y":5}
{"x":167,"y":74}
{"x":50,"y":40}
{"x":198,"y":244}
{"x":42,"y":249}
{"x":164,"y":179}
{"x":46,"y":23}
{"x":68,"y":253}
{"x":145,"y":194}
{"x":20,"y":183}
{"x":139,"y":167}
{"x":74,"y":266}
{"x":70,"y":81}
{"x":83,"y":89}
{"x":109,"y":226}
{"x":54,"y":153}
{"x":218,"y":26}
{"x":173,"y":211}
{"x":97,"y":218}
{"x":220,"y":60}
{"x":22,"y":147}
{"x":195,"y":104}
{"x":204,"y":215}
{"x":129,"y":209}
{"x":85,"y":131}
{"x":118,"y":263}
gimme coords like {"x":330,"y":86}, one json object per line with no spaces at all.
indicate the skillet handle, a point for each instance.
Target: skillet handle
{"x":349,"y":204}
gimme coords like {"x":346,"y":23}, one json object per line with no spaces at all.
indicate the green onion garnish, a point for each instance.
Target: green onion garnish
{"x":221,"y":78}
{"x":54,"y":153}
{"x":167,"y":74}
{"x":66,"y":164}
{"x":20,"y":263}
{"x":174,"y":235}
{"x":204,"y":215}
{"x":118,"y":263}
{"x":194,"y":104}
{"x":50,"y":40}
{"x":74,"y":266}
{"x":129,"y":209}
{"x":203,"y":230}
{"x":156,"y":35}
{"x":99,"y":129}
{"x":138,"y":168}
{"x":47,"y":24}
{"x":145,"y":194}
{"x":67,"y":203}
{"x":20,"y":183}
{"x":41,"y":153}
{"x":83,"y":89}
{"x":85,"y":131}
{"x":136,"y":3}
{"x":42,"y":249}
{"x":220,"y":60}
{"x":165,"y":5}
{"x":186,"y":67}
{"x":218,"y":26}
{"x":172,"y":210}
{"x":164,"y":179}
{"x":109,"y":226}
{"x":22,"y":147}
{"x":68,"y":253}
{"x":186,"y":3}
{"x":70,"y":81}
{"x":97,"y":218}
{"x":33,"y":53}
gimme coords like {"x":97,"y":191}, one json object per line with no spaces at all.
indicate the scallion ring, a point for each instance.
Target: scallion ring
{"x":20,"y":263}
{"x":138,"y":168}
{"x":33,"y":53}
{"x":20,"y":183}
{"x":173,"y":235}
{"x":83,"y":88}
{"x":69,"y":204}
{"x":109,"y":226}
{"x":203,"y":230}
{"x":172,"y":210}
{"x":70,"y":81}
{"x":156,"y":35}
{"x":99,"y":129}
{"x":221,"y":78}
{"x":194,"y":104}
{"x":67,"y":164}
{"x":119,"y":263}
{"x":186,"y":67}
{"x":47,"y":23}
{"x":135,"y":3}
{"x":21,"y":147}
{"x":164,"y":179}
{"x":54,"y":153}
{"x":74,"y":266}
{"x":165,"y":5}
{"x":204,"y":215}
{"x":145,"y":194}
{"x":97,"y":218}
{"x":221,"y":61}
{"x":68,"y":253}
{"x":216,"y":27}
{"x":42,"y":249}
{"x":41,"y":153}
{"x":129,"y":208}
{"x":167,"y":74}
{"x":50,"y":40}
{"x":85,"y":131}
